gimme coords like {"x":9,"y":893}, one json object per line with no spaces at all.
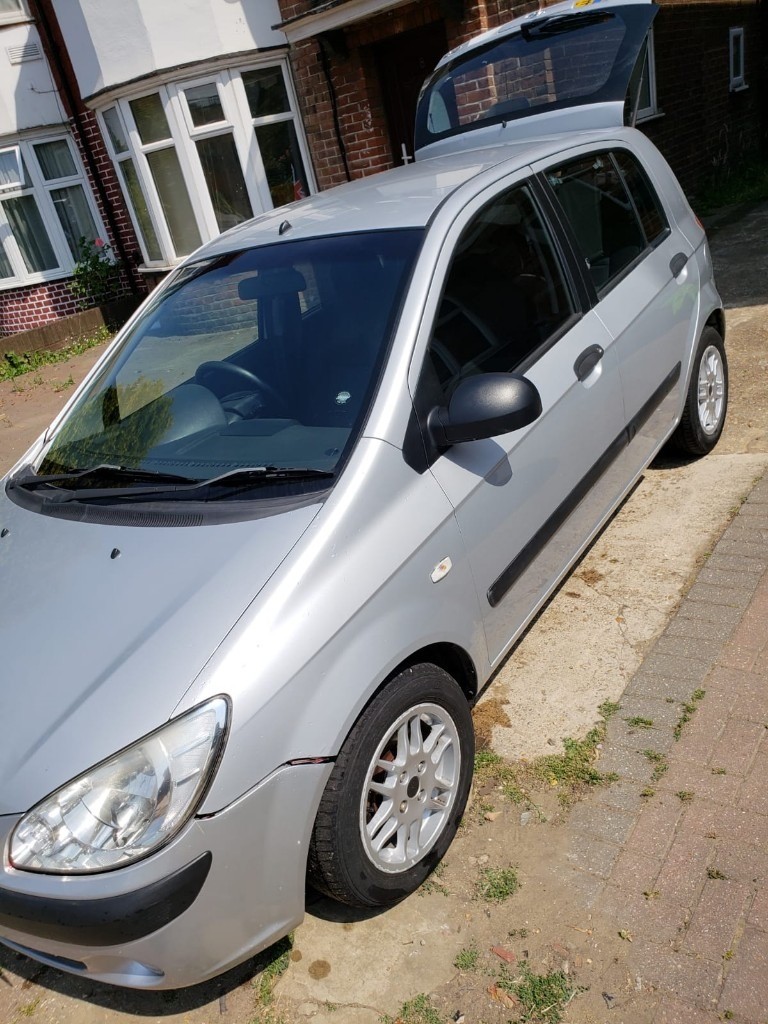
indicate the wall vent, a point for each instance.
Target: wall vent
{"x":27,"y":51}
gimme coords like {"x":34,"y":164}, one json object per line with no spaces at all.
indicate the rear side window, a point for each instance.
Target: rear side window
{"x":505,"y":294}
{"x":612,"y":210}
{"x":649,"y":209}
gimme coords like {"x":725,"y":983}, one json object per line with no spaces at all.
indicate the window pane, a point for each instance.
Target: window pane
{"x":145,"y":226}
{"x":595,"y":202}
{"x":647,"y":202}
{"x":11,"y":171}
{"x":75,"y":216}
{"x":6,"y":270}
{"x":30,"y":234}
{"x":150,"y":119}
{"x":282,"y":161}
{"x":504,"y":295}
{"x":224,"y":178}
{"x":204,"y":104}
{"x":55,"y":160}
{"x":115,"y":129}
{"x":266,"y":93}
{"x":174,"y":198}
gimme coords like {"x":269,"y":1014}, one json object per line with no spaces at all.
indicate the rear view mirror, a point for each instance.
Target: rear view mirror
{"x":267,"y":283}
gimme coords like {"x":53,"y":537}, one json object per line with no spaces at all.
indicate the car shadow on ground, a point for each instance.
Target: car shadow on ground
{"x":132,"y":1001}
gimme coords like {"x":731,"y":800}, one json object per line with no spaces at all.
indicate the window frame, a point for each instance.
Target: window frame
{"x":573,"y":293}
{"x":40,"y":188}
{"x":14,"y":17}
{"x":184,"y":136}
{"x":580,"y":260}
{"x":649,"y":64}
{"x":736,"y":46}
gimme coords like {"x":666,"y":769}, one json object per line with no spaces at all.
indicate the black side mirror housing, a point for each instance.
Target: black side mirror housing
{"x":483,"y":406}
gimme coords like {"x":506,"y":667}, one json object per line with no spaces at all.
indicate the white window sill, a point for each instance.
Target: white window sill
{"x":739,"y":88}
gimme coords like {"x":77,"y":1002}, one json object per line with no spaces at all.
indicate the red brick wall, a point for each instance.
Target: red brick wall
{"x":22,"y":309}
{"x":704,"y":126}
{"x":360,"y":110}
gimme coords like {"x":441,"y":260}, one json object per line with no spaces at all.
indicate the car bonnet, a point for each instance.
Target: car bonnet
{"x":103,"y":629}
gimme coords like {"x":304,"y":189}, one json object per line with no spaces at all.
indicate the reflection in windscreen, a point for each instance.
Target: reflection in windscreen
{"x":262,"y":357}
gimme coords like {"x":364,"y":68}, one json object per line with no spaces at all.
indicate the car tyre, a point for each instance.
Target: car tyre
{"x":397,"y":791}
{"x":706,"y":402}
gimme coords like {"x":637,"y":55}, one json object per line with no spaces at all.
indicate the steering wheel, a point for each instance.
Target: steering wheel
{"x":214,"y":374}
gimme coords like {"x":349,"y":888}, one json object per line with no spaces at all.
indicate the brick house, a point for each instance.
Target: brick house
{"x":358,"y":66}
{"x":56,"y":181}
{"x":156,"y":126}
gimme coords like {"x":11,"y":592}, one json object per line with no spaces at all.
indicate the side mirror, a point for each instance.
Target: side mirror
{"x":483,"y":406}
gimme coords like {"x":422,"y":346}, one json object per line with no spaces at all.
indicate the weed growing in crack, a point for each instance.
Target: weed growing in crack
{"x":637,"y":722}
{"x":467,"y":959}
{"x":435,"y":882}
{"x":542,"y":997}
{"x":497,"y":884}
{"x":659,"y":762}
{"x":271,"y":964}
{"x":687,"y":710}
{"x":418,"y":1010}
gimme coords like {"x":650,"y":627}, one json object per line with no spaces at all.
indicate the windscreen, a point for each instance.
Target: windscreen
{"x":551,"y":62}
{"x":263,"y":358}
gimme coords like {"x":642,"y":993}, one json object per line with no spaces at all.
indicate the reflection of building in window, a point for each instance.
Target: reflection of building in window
{"x":199,"y":157}
{"x":45,"y":209}
{"x":736,"y":37}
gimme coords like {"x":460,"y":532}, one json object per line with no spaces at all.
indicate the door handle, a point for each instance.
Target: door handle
{"x":587,"y":361}
{"x":677,"y":263}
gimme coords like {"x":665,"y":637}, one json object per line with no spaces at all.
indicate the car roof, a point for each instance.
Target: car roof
{"x":404,"y":197}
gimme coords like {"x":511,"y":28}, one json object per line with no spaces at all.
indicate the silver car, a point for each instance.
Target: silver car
{"x":255,"y":575}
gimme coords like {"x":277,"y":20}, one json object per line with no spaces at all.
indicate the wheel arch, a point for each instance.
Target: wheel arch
{"x":716,"y":319}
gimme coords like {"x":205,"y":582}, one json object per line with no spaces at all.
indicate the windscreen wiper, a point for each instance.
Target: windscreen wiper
{"x":31,"y":481}
{"x":554,"y":25}
{"x":183,"y":487}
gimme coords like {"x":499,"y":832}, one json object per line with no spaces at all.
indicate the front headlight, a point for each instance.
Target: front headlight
{"x":128,"y":806}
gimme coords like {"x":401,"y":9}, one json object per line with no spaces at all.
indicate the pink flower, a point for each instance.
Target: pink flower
{"x":99,"y":243}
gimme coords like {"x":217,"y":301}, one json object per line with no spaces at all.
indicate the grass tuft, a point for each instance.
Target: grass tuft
{"x":418,"y":1010}
{"x":542,"y":997}
{"x":497,"y":884}
{"x":13,"y":365}
{"x":467,"y":959}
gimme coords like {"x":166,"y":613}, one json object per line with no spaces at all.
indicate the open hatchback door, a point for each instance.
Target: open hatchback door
{"x":566,"y":68}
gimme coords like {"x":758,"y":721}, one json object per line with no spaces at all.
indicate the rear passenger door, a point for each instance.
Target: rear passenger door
{"x":643,"y":281}
{"x":525,"y":501}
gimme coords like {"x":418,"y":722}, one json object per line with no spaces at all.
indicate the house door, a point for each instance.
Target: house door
{"x":403,"y":63}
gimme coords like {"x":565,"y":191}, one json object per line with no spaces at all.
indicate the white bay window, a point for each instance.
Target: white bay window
{"x":200,"y":156}
{"x":46,"y":208}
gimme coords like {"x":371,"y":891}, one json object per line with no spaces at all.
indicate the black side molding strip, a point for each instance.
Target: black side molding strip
{"x":503,"y":583}
{"x":110,"y":921}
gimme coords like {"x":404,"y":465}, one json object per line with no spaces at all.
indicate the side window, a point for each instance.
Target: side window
{"x":596,"y":204}
{"x":647,"y":204}
{"x":504,"y":296}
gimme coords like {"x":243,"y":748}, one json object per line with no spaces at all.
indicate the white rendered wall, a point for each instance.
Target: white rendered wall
{"x":111,"y":42}
{"x":28,"y":97}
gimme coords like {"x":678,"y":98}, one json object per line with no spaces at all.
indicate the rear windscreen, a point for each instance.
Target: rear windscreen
{"x":549,"y":63}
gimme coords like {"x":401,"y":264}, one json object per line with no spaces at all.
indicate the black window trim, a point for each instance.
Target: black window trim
{"x":418,"y":450}
{"x":579,"y":260}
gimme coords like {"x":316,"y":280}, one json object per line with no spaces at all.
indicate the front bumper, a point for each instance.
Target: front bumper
{"x":228,"y":886}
